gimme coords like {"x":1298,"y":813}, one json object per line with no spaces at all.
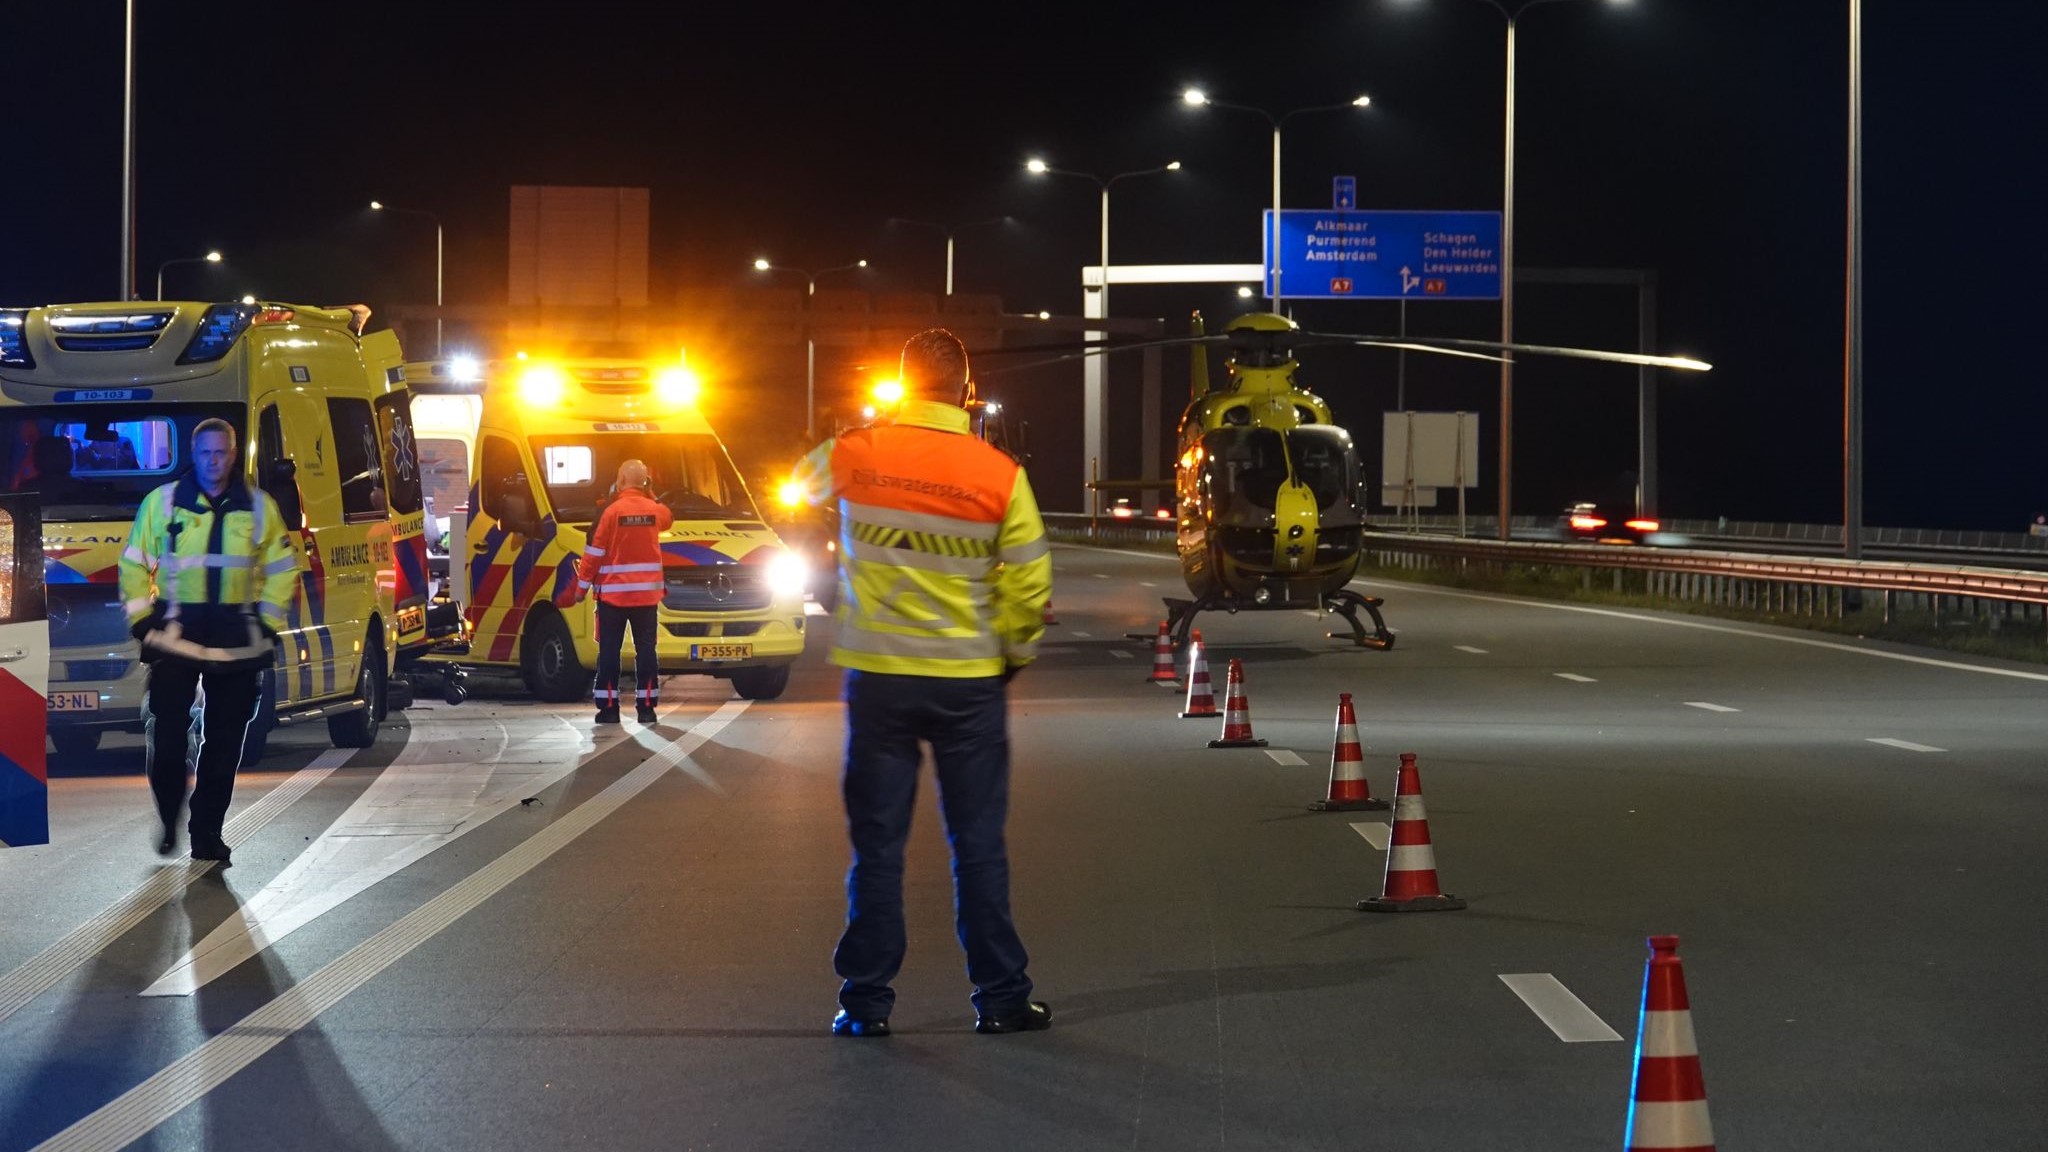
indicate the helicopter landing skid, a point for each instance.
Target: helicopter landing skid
{"x":1346,"y":603}
{"x":1180,"y":615}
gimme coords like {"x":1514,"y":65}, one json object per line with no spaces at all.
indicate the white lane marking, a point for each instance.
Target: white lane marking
{"x":1908,"y":745}
{"x":813,"y":608}
{"x":1574,"y":677}
{"x":1702,"y":626}
{"x":1081,"y":636}
{"x":1376,"y":834}
{"x":1284,"y":756}
{"x":1471,"y":649}
{"x":1102,"y":575}
{"x":87,"y":940}
{"x":1119,"y":653}
{"x":1554,"y":1004}
{"x":1710,"y":707}
{"x":1147,"y":584}
{"x":445,"y":784}
{"x":139,"y":1110}
{"x":1169,"y":685}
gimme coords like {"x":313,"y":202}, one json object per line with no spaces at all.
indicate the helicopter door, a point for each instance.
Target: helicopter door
{"x":1327,"y":464}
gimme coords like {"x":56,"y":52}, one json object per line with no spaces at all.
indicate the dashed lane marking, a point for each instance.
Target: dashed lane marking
{"x":1119,"y":653}
{"x":1081,"y":636}
{"x":1102,"y":575}
{"x":138,"y":1111}
{"x":1284,"y":756}
{"x":1147,"y":584}
{"x":1908,"y":745}
{"x":1554,"y":1004}
{"x":1376,"y":834}
{"x":1471,"y":649}
{"x":87,"y":940}
{"x":1574,"y":677}
{"x":1710,"y":707}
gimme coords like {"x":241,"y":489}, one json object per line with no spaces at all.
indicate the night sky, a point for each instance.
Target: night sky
{"x":1702,"y":139}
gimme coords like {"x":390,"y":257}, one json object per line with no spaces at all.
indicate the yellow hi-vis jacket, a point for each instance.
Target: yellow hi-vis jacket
{"x":944,"y":565}
{"x":191,"y":551}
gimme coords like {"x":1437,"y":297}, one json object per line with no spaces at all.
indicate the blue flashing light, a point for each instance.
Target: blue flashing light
{"x":222,"y":325}
{"x":14,"y":339}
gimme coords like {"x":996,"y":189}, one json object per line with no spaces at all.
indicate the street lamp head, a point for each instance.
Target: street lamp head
{"x":214,"y":257}
{"x":376,"y":205}
{"x":1362,"y":102}
{"x":1035,"y":166}
{"x":860,"y":263}
{"x":761,"y":264}
{"x":1173,"y":166}
{"x":1195,"y":96}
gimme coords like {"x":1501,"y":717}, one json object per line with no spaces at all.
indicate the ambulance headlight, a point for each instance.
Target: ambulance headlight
{"x":787,"y":575}
{"x":465,"y":370}
{"x":791,"y":493}
{"x":677,"y":386}
{"x":542,"y":386}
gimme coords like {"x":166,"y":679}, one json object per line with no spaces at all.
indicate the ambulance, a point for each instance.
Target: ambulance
{"x":534,"y":445}
{"x":97,"y":407}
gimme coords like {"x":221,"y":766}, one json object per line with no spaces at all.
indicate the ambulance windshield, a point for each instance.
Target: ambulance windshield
{"x":690,"y":473}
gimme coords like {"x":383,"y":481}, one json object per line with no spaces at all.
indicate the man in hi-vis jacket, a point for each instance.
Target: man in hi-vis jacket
{"x":623,"y":562}
{"x":945,"y":574}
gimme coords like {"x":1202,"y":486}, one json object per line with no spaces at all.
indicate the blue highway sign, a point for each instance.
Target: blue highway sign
{"x":1386,"y":255}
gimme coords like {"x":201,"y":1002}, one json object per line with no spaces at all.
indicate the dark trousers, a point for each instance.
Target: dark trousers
{"x":611,"y":636}
{"x":967,"y":726}
{"x":230,"y":709}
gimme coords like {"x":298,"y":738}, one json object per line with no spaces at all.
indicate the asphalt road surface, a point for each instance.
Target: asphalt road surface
{"x":496,"y":929}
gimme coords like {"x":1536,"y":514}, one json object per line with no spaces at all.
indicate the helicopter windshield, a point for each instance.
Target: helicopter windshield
{"x":1245,"y":467}
{"x":1325,"y":462}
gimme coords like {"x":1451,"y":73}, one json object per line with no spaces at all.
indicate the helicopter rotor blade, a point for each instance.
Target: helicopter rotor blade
{"x":1445,"y":343}
{"x":1411,"y":346}
{"x":1062,"y":353}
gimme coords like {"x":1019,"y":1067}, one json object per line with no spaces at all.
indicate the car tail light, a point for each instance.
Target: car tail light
{"x":1643,"y":525}
{"x":1588,"y":523}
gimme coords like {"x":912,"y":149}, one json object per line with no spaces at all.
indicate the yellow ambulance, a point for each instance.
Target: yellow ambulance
{"x":97,"y":407}
{"x":533,"y":445}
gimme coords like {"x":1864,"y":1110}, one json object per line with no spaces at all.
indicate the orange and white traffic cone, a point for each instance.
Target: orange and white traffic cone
{"x":1162,"y":658}
{"x":1349,"y":791}
{"x":1668,"y":1105}
{"x":1201,"y":695}
{"x":1237,"y":713}
{"x":1410,"y":885}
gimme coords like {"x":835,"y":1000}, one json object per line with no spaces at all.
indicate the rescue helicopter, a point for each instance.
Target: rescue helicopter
{"x":1270,"y":496}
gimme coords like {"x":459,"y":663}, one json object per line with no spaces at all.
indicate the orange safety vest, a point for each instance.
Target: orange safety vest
{"x":623,"y":559}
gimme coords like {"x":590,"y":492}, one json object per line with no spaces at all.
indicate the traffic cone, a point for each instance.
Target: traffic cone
{"x":1668,"y":1102}
{"x":1201,"y":696}
{"x":1349,"y":791}
{"x":1162,"y":658}
{"x":1237,"y":715}
{"x":1410,"y":885}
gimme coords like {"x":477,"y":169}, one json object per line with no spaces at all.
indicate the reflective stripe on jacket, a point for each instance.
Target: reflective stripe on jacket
{"x":188,"y":548}
{"x":623,"y":559}
{"x":944,"y":565}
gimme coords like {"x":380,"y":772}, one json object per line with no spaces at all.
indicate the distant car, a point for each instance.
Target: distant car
{"x":1599,"y":524}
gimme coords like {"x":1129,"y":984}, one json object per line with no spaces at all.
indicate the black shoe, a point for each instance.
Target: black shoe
{"x":1035,"y":1016}
{"x":168,"y":846}
{"x":844,"y":1025}
{"x":607,"y":715}
{"x":211,"y":848}
{"x":647,"y":716}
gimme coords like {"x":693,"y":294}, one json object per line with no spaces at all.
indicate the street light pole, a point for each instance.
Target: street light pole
{"x":1852,"y":334}
{"x":380,"y":206}
{"x":1095,"y":306}
{"x":810,"y":341}
{"x":1198,"y":98}
{"x":128,"y":160}
{"x":949,"y":231}
{"x":209,"y":258}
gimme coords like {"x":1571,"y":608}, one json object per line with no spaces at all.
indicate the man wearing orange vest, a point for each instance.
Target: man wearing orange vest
{"x":944,"y":577}
{"x":623,"y":562}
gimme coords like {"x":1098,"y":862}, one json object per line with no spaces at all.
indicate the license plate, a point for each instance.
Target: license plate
{"x":74,"y":701}
{"x":721,"y":651}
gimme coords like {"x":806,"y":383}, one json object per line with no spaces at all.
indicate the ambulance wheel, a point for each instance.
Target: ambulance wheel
{"x":358,"y":729}
{"x":75,"y":741}
{"x":257,"y":742}
{"x":760,"y":683}
{"x":547,"y":660}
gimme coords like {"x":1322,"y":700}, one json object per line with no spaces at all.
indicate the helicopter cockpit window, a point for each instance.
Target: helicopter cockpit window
{"x":1238,"y":416}
{"x":1264,"y":356}
{"x":1325,"y":461}
{"x":1245,"y":467}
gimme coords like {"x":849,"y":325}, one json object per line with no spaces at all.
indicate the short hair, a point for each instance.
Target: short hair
{"x":934,"y":365}
{"x":213,"y":424}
